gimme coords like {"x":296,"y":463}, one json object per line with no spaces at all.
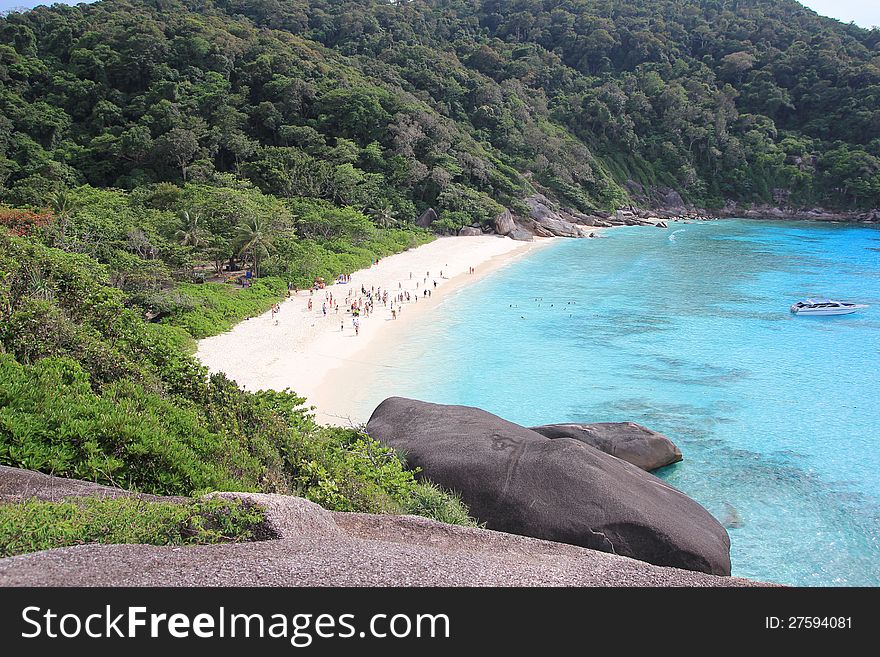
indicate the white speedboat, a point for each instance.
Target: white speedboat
{"x":825,"y":307}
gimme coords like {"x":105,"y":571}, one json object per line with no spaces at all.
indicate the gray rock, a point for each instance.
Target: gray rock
{"x":671,"y":199}
{"x":350,"y":549}
{"x":287,"y":516}
{"x":517,"y":481}
{"x":561,"y":228}
{"x":504,"y":223}
{"x":590,"y":220}
{"x":427,"y":218}
{"x":17,"y":485}
{"x":470,"y":231}
{"x":521,"y":235}
{"x":316,"y":547}
{"x":629,"y":441}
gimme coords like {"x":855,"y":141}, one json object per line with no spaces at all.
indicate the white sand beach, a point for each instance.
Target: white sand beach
{"x":305,"y":347}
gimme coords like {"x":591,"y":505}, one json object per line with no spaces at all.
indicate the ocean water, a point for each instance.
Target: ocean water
{"x":687,"y":331}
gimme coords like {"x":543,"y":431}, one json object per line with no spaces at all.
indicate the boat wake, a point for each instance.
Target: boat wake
{"x":674,"y":233}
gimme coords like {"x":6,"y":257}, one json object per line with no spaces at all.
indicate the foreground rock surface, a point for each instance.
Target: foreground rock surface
{"x":316,"y":547}
{"x":517,"y":481}
{"x":629,"y":441}
{"x":17,"y":485}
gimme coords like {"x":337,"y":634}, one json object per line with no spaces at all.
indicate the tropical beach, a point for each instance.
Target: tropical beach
{"x":302,"y":347}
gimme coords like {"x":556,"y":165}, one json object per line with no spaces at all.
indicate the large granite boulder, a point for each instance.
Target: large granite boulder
{"x":561,"y":227}
{"x":540,"y":207}
{"x":521,"y":235}
{"x":504,"y":223}
{"x":629,"y":441}
{"x":547,"y":220}
{"x":427,"y":218}
{"x":470,"y":231}
{"x":670,"y":199}
{"x":516,"y":480}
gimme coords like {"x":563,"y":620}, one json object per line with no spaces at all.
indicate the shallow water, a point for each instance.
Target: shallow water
{"x":687,"y":331}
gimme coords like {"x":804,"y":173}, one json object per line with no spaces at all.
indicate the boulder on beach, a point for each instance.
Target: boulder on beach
{"x":504,"y":223}
{"x":516,"y":480}
{"x":629,"y":441}
{"x":470,"y":231}
{"x":521,"y":235}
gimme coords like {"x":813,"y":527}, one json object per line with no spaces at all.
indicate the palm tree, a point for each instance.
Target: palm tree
{"x":254,"y":237}
{"x":62,"y":206}
{"x":192,"y":232}
{"x":384,"y":216}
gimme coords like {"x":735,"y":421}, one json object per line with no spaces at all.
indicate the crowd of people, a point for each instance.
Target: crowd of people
{"x":362,"y":303}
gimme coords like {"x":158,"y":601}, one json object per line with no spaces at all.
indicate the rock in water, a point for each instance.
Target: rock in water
{"x":629,"y":441}
{"x":517,"y":481}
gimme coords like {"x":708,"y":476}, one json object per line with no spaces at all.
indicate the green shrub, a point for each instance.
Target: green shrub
{"x":429,"y":500}
{"x":37,"y":525}
{"x":52,"y":420}
{"x":217,"y":307}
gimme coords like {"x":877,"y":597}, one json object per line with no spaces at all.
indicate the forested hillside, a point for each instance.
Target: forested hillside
{"x":460,"y":105}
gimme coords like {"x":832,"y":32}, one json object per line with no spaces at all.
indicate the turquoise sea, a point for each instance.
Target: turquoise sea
{"x":688,"y":331}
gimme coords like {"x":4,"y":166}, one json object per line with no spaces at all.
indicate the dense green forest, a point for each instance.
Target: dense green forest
{"x":152,"y":150}
{"x":454,"y":104}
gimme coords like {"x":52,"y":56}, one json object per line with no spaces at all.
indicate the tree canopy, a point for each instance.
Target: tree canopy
{"x":408,"y":104}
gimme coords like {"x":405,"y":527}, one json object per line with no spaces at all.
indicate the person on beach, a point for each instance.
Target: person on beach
{"x":393,"y":314}
{"x":342,"y":327}
{"x":310,"y":304}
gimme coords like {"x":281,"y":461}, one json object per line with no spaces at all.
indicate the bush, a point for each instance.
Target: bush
{"x":217,"y":307}
{"x":37,"y":525}
{"x":52,"y":420}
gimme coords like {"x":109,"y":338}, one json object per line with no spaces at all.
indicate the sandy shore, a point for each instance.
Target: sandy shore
{"x":304,"y":350}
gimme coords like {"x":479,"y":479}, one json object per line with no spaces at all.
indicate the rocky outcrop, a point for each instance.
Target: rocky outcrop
{"x":504,"y":224}
{"x":470,"y":231}
{"x":763,"y":211}
{"x":310,"y":546}
{"x":561,"y":228}
{"x":629,"y":441}
{"x":427,"y":218}
{"x":17,"y":485}
{"x":547,"y":221}
{"x":516,"y":480}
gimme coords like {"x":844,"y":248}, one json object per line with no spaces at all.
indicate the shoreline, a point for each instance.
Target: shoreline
{"x":319,"y":357}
